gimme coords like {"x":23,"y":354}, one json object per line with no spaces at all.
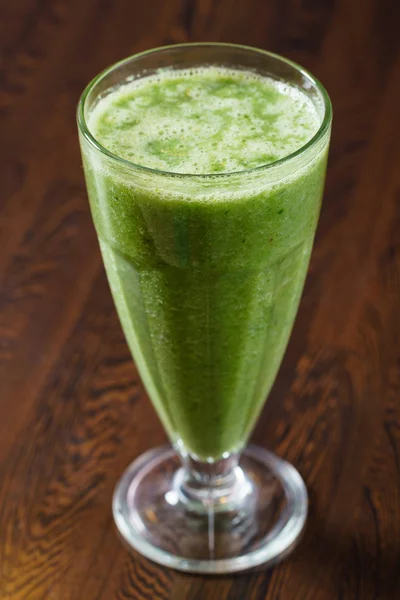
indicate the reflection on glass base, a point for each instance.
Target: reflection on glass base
{"x":254,"y":515}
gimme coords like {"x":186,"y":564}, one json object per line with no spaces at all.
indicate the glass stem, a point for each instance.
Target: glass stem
{"x":220,"y":485}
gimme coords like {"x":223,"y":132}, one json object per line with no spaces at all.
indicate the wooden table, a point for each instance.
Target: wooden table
{"x":73,"y":413}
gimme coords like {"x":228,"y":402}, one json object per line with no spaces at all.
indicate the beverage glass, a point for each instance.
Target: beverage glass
{"x":206,"y":272}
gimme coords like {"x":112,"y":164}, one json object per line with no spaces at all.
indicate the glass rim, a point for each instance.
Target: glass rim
{"x":323,"y":127}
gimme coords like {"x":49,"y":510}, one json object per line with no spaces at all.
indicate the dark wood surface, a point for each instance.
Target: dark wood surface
{"x":73,"y":413}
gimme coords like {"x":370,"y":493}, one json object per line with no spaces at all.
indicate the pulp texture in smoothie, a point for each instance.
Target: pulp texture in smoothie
{"x":206,"y":277}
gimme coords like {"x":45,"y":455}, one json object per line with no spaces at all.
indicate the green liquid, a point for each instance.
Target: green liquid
{"x":206,"y":284}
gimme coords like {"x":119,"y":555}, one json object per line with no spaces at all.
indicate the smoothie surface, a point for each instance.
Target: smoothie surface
{"x":203,"y":121}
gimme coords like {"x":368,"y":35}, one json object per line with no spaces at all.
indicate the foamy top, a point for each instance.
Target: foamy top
{"x":204,"y":120}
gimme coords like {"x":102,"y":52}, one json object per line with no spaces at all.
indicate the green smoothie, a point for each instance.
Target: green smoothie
{"x":206,"y":272}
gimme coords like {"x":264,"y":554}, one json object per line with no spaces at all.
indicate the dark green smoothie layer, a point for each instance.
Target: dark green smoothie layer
{"x":206,"y":284}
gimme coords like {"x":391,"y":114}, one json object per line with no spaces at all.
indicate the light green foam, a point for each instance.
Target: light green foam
{"x":208,"y":120}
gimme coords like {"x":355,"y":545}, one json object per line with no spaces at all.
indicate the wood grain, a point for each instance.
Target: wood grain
{"x":73,"y":412}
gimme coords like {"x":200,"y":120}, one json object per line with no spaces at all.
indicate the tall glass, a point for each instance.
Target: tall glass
{"x":206,"y":272}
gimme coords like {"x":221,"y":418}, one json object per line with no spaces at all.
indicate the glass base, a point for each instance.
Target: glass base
{"x":254,"y":515}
